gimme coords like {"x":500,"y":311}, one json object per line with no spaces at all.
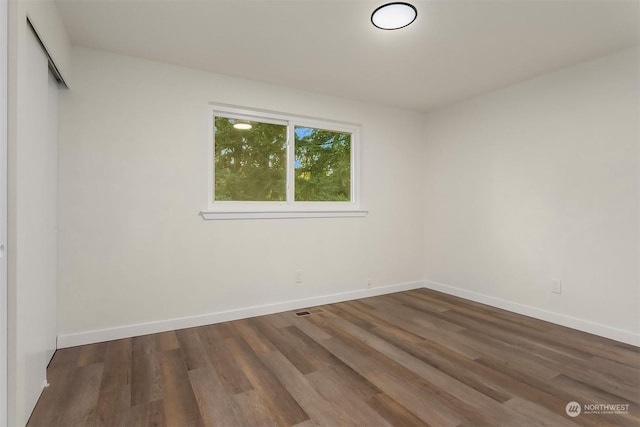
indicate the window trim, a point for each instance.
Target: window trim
{"x":288,"y":208}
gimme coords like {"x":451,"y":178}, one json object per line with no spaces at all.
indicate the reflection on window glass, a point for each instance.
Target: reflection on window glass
{"x":250,"y":160}
{"x":322,"y":165}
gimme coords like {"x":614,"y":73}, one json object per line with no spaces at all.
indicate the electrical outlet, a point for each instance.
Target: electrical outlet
{"x":556,"y":286}
{"x":298,"y":276}
{"x":369,"y":283}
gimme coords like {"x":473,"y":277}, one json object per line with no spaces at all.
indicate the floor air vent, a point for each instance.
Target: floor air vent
{"x":308,"y":312}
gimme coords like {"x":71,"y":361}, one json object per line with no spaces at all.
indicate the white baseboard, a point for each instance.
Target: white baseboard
{"x":126,"y":331}
{"x":538,"y":313}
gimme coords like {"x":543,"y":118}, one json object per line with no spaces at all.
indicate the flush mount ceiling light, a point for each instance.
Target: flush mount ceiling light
{"x":242,"y":125}
{"x":392,"y":16}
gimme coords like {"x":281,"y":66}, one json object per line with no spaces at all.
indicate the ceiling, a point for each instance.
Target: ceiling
{"x":454,"y":50}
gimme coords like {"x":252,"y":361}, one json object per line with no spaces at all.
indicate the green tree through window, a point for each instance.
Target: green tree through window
{"x":295,"y":161}
{"x":322,"y":165}
{"x":250,"y":164}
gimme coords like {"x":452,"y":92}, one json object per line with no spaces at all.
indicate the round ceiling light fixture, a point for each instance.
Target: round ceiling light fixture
{"x":393,"y":16}
{"x":242,"y":125}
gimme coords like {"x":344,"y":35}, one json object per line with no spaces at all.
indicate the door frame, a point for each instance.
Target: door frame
{"x":4,"y":66}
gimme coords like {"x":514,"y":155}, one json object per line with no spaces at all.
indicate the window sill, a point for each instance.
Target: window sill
{"x":220,"y":215}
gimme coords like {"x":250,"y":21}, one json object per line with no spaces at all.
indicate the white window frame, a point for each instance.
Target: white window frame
{"x":288,"y":208}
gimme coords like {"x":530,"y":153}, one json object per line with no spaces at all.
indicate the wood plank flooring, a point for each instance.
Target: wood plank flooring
{"x":416,"y":358}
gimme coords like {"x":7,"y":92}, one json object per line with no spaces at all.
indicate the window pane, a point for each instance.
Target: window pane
{"x":322,"y":165}
{"x":250,"y":160}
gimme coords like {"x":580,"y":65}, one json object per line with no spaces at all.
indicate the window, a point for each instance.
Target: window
{"x":250,"y":160}
{"x":322,"y":165}
{"x":265,"y":165}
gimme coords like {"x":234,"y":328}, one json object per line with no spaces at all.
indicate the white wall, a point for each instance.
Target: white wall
{"x":133,"y":178}
{"x":541,"y":181}
{"x":32,"y":202}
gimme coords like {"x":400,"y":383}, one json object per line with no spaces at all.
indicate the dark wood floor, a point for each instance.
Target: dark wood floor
{"x":406,"y":359}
